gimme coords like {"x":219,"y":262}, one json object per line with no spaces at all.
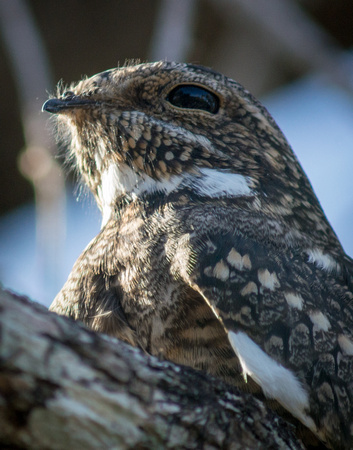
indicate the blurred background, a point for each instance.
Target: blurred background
{"x":295,"y":55}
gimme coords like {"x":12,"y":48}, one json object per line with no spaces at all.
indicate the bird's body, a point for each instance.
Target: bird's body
{"x":214,"y":251}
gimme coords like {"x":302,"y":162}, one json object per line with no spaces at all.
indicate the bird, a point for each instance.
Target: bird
{"x":214,"y":251}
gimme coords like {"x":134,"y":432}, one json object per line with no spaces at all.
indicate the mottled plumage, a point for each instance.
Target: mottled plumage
{"x":214,"y":251}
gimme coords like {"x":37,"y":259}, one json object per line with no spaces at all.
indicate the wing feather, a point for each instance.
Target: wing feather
{"x":288,"y":318}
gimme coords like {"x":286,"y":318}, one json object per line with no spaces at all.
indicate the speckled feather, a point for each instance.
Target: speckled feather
{"x":212,"y":243}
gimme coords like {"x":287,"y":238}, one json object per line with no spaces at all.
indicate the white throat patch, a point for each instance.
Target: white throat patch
{"x":121,"y":180}
{"x":218,"y":183}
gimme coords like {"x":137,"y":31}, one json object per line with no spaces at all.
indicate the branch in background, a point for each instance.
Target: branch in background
{"x":30,"y":70}
{"x":295,"y":34}
{"x":63,"y":386}
{"x":173,"y":31}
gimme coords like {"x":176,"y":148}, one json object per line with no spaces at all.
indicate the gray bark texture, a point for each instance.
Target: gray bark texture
{"x":64,"y":387}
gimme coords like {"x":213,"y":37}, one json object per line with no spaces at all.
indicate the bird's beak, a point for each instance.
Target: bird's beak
{"x":57,"y":105}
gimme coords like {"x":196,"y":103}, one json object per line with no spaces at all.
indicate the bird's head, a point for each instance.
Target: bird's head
{"x":162,"y":127}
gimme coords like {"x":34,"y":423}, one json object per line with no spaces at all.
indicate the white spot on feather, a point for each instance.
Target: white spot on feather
{"x":250,"y":288}
{"x":169,"y":156}
{"x":268,"y":279}
{"x":322,"y":260}
{"x":294,"y":300}
{"x":346,"y":345}
{"x":275,"y":380}
{"x":237,"y":261}
{"x":221,"y":270}
{"x":319,"y":320}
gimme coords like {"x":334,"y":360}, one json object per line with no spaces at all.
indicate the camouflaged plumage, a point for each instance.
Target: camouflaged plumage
{"x":214,"y":251}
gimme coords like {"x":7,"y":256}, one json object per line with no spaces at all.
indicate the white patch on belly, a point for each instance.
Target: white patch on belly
{"x":275,"y":380}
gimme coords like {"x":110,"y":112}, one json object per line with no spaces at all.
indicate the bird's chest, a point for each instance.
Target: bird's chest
{"x":173,"y":322}
{"x":150,"y":292}
{"x":170,"y":319}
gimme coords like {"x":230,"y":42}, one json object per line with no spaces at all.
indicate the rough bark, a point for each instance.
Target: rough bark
{"x":63,"y":386}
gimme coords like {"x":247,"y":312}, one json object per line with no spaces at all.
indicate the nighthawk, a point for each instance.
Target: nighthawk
{"x":214,"y":251}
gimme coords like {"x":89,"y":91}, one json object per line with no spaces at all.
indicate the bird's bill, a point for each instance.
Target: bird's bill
{"x":57,"y":105}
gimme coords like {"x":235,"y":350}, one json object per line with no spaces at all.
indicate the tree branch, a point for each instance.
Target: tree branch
{"x":63,"y":386}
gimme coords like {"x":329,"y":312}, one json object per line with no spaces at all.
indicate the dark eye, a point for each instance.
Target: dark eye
{"x":194,"y":97}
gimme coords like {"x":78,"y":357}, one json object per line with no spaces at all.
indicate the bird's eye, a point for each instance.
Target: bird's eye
{"x":194,"y":97}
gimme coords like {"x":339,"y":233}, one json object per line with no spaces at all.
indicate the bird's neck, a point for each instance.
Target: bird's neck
{"x":122,"y":183}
